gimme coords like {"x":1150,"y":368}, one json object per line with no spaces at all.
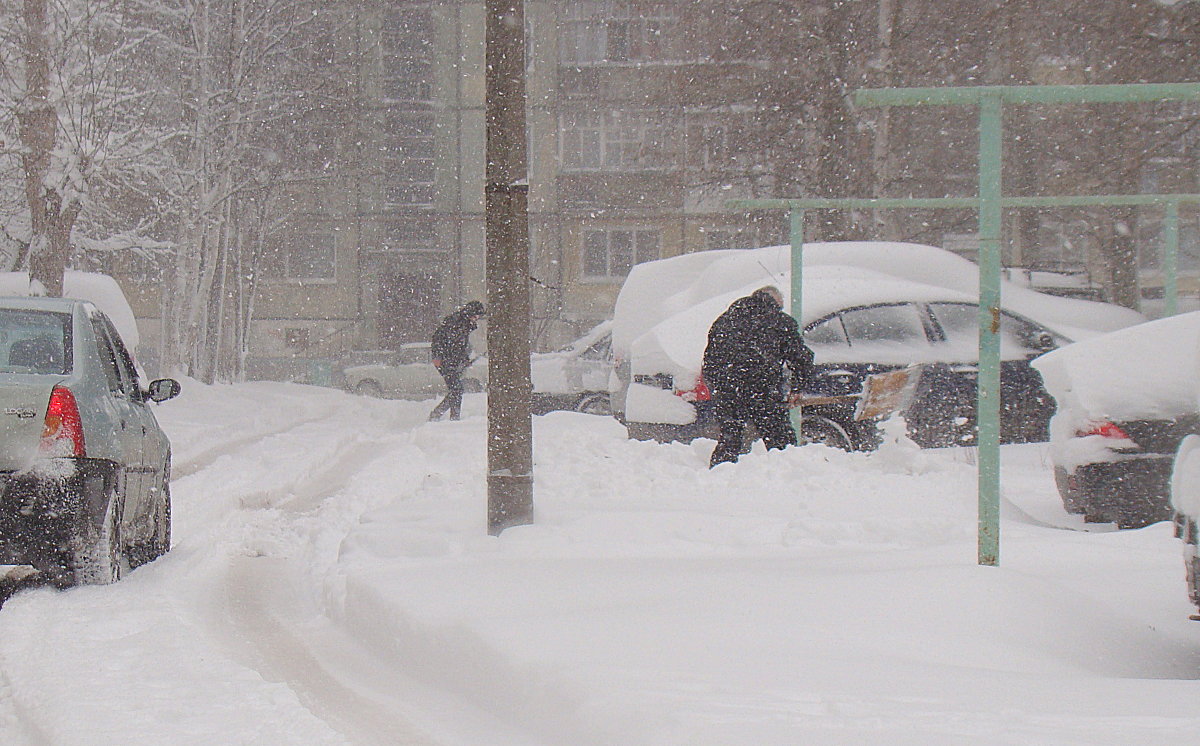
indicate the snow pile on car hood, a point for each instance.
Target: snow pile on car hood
{"x":1148,"y":371}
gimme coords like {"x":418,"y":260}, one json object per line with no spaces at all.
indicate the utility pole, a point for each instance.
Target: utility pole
{"x":510,"y":427}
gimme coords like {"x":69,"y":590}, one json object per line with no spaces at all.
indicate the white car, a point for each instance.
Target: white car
{"x":408,"y":373}
{"x":577,"y":376}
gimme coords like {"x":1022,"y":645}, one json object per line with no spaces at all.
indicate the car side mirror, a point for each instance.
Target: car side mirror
{"x":163,"y":389}
{"x":1044,"y":342}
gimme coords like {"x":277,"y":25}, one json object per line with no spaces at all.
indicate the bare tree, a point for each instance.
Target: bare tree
{"x":72,"y":119}
{"x":246,"y":84}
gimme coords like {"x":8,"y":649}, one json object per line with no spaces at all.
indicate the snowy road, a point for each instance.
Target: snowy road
{"x":332,"y":582}
{"x":223,"y":640}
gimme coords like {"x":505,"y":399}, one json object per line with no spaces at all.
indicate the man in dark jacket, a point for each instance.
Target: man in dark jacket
{"x":451,"y":351}
{"x":748,"y":346}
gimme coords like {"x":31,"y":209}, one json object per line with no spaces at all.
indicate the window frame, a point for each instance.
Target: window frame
{"x":636,"y":253}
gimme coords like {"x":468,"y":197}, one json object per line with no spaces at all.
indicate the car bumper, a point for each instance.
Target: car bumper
{"x":40,"y":510}
{"x":1132,"y":492}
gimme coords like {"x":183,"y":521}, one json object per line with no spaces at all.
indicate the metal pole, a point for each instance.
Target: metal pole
{"x":988,"y":393}
{"x":796,"y":233}
{"x":506,"y":223}
{"x":1171,"y":258}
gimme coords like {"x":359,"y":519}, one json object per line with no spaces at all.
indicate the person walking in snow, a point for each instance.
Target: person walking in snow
{"x":748,"y":347}
{"x":451,"y":352}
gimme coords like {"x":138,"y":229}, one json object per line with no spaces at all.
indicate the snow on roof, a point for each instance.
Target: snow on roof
{"x":101,"y":290}
{"x":1147,"y":371}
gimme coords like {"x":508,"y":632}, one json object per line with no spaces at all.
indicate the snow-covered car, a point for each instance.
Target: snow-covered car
{"x":408,"y":373}
{"x":576,"y":377}
{"x":1126,"y":400}
{"x":84,"y":466}
{"x":868,"y":307}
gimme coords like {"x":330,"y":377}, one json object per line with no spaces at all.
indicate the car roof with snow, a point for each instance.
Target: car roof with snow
{"x":676,"y":344}
{"x":101,"y":290}
{"x":655,"y":291}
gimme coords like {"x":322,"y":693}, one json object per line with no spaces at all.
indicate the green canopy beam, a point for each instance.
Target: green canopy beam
{"x":990,"y":203}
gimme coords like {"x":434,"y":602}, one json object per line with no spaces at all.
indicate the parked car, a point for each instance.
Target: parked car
{"x":84,"y":466}
{"x":885,"y":324}
{"x":868,"y":307}
{"x":576,"y":377}
{"x":1126,"y":401}
{"x":407,"y":373}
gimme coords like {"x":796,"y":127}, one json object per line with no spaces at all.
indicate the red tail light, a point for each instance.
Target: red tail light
{"x":700,"y":392}
{"x":63,"y":434}
{"x":1103,"y":429}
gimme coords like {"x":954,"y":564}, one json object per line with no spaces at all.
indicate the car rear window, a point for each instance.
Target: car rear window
{"x":35,"y":341}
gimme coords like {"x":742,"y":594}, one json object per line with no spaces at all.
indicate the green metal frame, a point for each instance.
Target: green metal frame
{"x":991,"y":203}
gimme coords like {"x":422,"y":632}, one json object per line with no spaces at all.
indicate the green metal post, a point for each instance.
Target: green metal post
{"x":1171,"y":258}
{"x":796,"y":233}
{"x":988,"y":395}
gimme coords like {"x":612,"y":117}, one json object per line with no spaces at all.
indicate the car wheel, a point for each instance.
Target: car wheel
{"x":98,"y":553}
{"x":1069,"y":494}
{"x":818,"y":429}
{"x":162,"y":520}
{"x":369,"y":388}
{"x":594,"y":403}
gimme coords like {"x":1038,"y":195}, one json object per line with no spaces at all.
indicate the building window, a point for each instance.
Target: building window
{"x":296,"y":338}
{"x":612,"y":252}
{"x":407,"y":158}
{"x":716,"y":142}
{"x":617,"y":31}
{"x":620,"y":140}
{"x":731,"y":238}
{"x":407,"y":45}
{"x":415,"y":235}
{"x":302,"y":256}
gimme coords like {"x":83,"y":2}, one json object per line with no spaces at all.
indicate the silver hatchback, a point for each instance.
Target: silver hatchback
{"x":84,"y":465}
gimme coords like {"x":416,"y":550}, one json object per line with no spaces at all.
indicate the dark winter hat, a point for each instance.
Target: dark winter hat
{"x":475,"y":308}
{"x":770,"y":293}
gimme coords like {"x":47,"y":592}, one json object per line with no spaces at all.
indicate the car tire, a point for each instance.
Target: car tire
{"x":818,"y":429}
{"x":370,"y":388}
{"x":594,"y":403}
{"x":98,"y":555}
{"x":1070,"y":498}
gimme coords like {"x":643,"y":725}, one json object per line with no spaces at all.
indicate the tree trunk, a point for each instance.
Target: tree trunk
{"x":50,"y":223}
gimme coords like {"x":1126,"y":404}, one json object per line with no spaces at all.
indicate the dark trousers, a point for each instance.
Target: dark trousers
{"x":452,"y":403}
{"x":734,"y":410}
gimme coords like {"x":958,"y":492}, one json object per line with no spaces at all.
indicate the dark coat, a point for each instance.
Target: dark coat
{"x":749,"y":345}
{"x":451,"y":341}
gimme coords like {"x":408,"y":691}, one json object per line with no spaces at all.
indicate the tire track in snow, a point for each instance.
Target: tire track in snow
{"x":191,"y":465}
{"x":334,"y":676}
{"x":260,"y":595}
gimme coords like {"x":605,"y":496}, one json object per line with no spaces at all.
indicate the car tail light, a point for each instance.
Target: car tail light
{"x":1104,"y":429}
{"x":700,"y":392}
{"x":63,"y":434}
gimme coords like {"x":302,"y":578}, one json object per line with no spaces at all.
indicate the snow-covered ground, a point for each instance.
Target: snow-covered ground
{"x":332,"y":581}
